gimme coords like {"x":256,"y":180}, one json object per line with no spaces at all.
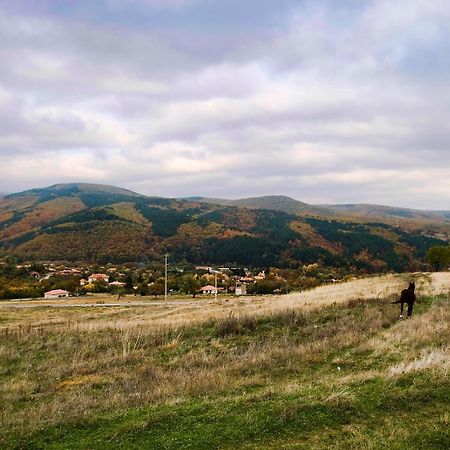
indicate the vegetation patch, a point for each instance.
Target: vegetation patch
{"x":344,"y":376}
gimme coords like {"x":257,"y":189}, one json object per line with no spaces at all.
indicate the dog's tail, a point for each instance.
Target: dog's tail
{"x":398,"y":301}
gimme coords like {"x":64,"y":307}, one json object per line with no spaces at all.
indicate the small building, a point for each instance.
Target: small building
{"x":210,"y":289}
{"x":117,"y":283}
{"x":246,"y":279}
{"x":56,"y":293}
{"x":205,"y":268}
{"x":98,"y":277}
{"x":241,"y":289}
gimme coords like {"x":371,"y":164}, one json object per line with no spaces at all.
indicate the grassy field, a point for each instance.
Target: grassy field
{"x":328,"y":368}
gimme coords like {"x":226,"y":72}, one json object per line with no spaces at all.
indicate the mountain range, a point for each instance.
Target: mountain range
{"x":290,"y":205}
{"x":97,"y":223}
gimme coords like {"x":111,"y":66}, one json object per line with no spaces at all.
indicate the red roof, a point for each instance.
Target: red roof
{"x":210,"y":288}
{"x":57,"y":292}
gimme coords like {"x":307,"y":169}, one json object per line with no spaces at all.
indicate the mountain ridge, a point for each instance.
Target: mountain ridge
{"x":72,"y":188}
{"x":270,"y":201}
{"x":105,"y":223}
{"x":289,"y":204}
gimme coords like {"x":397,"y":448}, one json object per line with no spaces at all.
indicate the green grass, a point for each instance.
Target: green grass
{"x":317,"y":379}
{"x":271,"y":421}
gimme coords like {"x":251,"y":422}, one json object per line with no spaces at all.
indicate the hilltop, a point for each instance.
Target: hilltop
{"x":388,"y":214}
{"x":87,"y":222}
{"x":272,"y":202}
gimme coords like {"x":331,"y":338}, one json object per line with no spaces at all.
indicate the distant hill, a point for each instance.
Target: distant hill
{"x":389,"y":211}
{"x":87,"y":222}
{"x":273,"y":202}
{"x":290,"y":205}
{"x":70,"y":189}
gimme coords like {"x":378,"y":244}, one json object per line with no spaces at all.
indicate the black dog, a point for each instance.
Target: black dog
{"x":407,"y":296}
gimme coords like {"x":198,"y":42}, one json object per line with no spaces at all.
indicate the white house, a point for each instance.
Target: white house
{"x":98,"y":277}
{"x":241,"y":289}
{"x":210,"y":289}
{"x":56,"y":293}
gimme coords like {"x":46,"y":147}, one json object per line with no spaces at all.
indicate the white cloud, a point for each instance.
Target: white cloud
{"x":333,"y":103}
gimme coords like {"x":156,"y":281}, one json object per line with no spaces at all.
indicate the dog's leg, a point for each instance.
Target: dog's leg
{"x":401,"y":310}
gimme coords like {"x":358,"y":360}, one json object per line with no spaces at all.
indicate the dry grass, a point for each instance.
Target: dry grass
{"x":432,"y":326}
{"x":181,"y":312}
{"x":66,"y":363}
{"x":438,"y":359}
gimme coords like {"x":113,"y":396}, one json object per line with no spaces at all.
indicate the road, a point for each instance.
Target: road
{"x":40,"y":304}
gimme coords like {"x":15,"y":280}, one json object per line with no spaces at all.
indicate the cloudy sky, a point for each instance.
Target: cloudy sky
{"x":325,"y":101}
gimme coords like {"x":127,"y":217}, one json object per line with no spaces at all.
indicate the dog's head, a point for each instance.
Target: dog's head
{"x":412,"y":285}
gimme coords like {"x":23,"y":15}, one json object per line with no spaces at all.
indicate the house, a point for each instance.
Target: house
{"x":56,"y":293}
{"x":241,"y":289}
{"x":117,"y":283}
{"x":210,"y":289}
{"x":98,"y":277}
{"x":205,"y":268}
{"x":246,"y":279}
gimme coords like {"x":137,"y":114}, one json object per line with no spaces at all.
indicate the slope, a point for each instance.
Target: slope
{"x":273,"y":202}
{"x":389,"y":211}
{"x":345,"y":375}
{"x":79,"y":222}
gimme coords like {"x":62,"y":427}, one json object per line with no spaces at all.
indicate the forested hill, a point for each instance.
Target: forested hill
{"x":84,"y":222}
{"x":290,"y":205}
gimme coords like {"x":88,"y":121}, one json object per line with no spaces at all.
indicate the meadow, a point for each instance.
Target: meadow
{"x":328,"y":368}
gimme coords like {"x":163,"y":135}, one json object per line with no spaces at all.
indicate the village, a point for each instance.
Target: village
{"x":60,"y":280}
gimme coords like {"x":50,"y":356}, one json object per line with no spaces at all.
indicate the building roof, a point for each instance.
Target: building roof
{"x":57,"y":292}
{"x":210,"y":288}
{"x":98,"y":275}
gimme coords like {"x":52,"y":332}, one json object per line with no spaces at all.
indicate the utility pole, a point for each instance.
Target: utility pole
{"x":215,"y":285}
{"x":166,"y":257}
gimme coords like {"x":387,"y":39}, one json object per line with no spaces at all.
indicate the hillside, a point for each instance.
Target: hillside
{"x":272,"y":202}
{"x":82,"y":222}
{"x":389,"y":211}
{"x":359,"y":212}
{"x":329,"y":368}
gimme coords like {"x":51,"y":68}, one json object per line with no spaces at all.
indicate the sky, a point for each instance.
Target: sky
{"x":324,"y":101}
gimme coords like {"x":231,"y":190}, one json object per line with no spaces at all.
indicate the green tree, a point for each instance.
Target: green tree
{"x":70,"y":284}
{"x":128,"y":282}
{"x":156,"y":289}
{"x":100,"y":286}
{"x":142,"y":289}
{"x":190,"y":285}
{"x":438,"y":256}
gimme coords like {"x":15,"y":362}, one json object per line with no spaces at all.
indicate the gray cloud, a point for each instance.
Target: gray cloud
{"x":323,"y":102}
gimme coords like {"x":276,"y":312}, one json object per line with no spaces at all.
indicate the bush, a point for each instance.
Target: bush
{"x":234,"y":325}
